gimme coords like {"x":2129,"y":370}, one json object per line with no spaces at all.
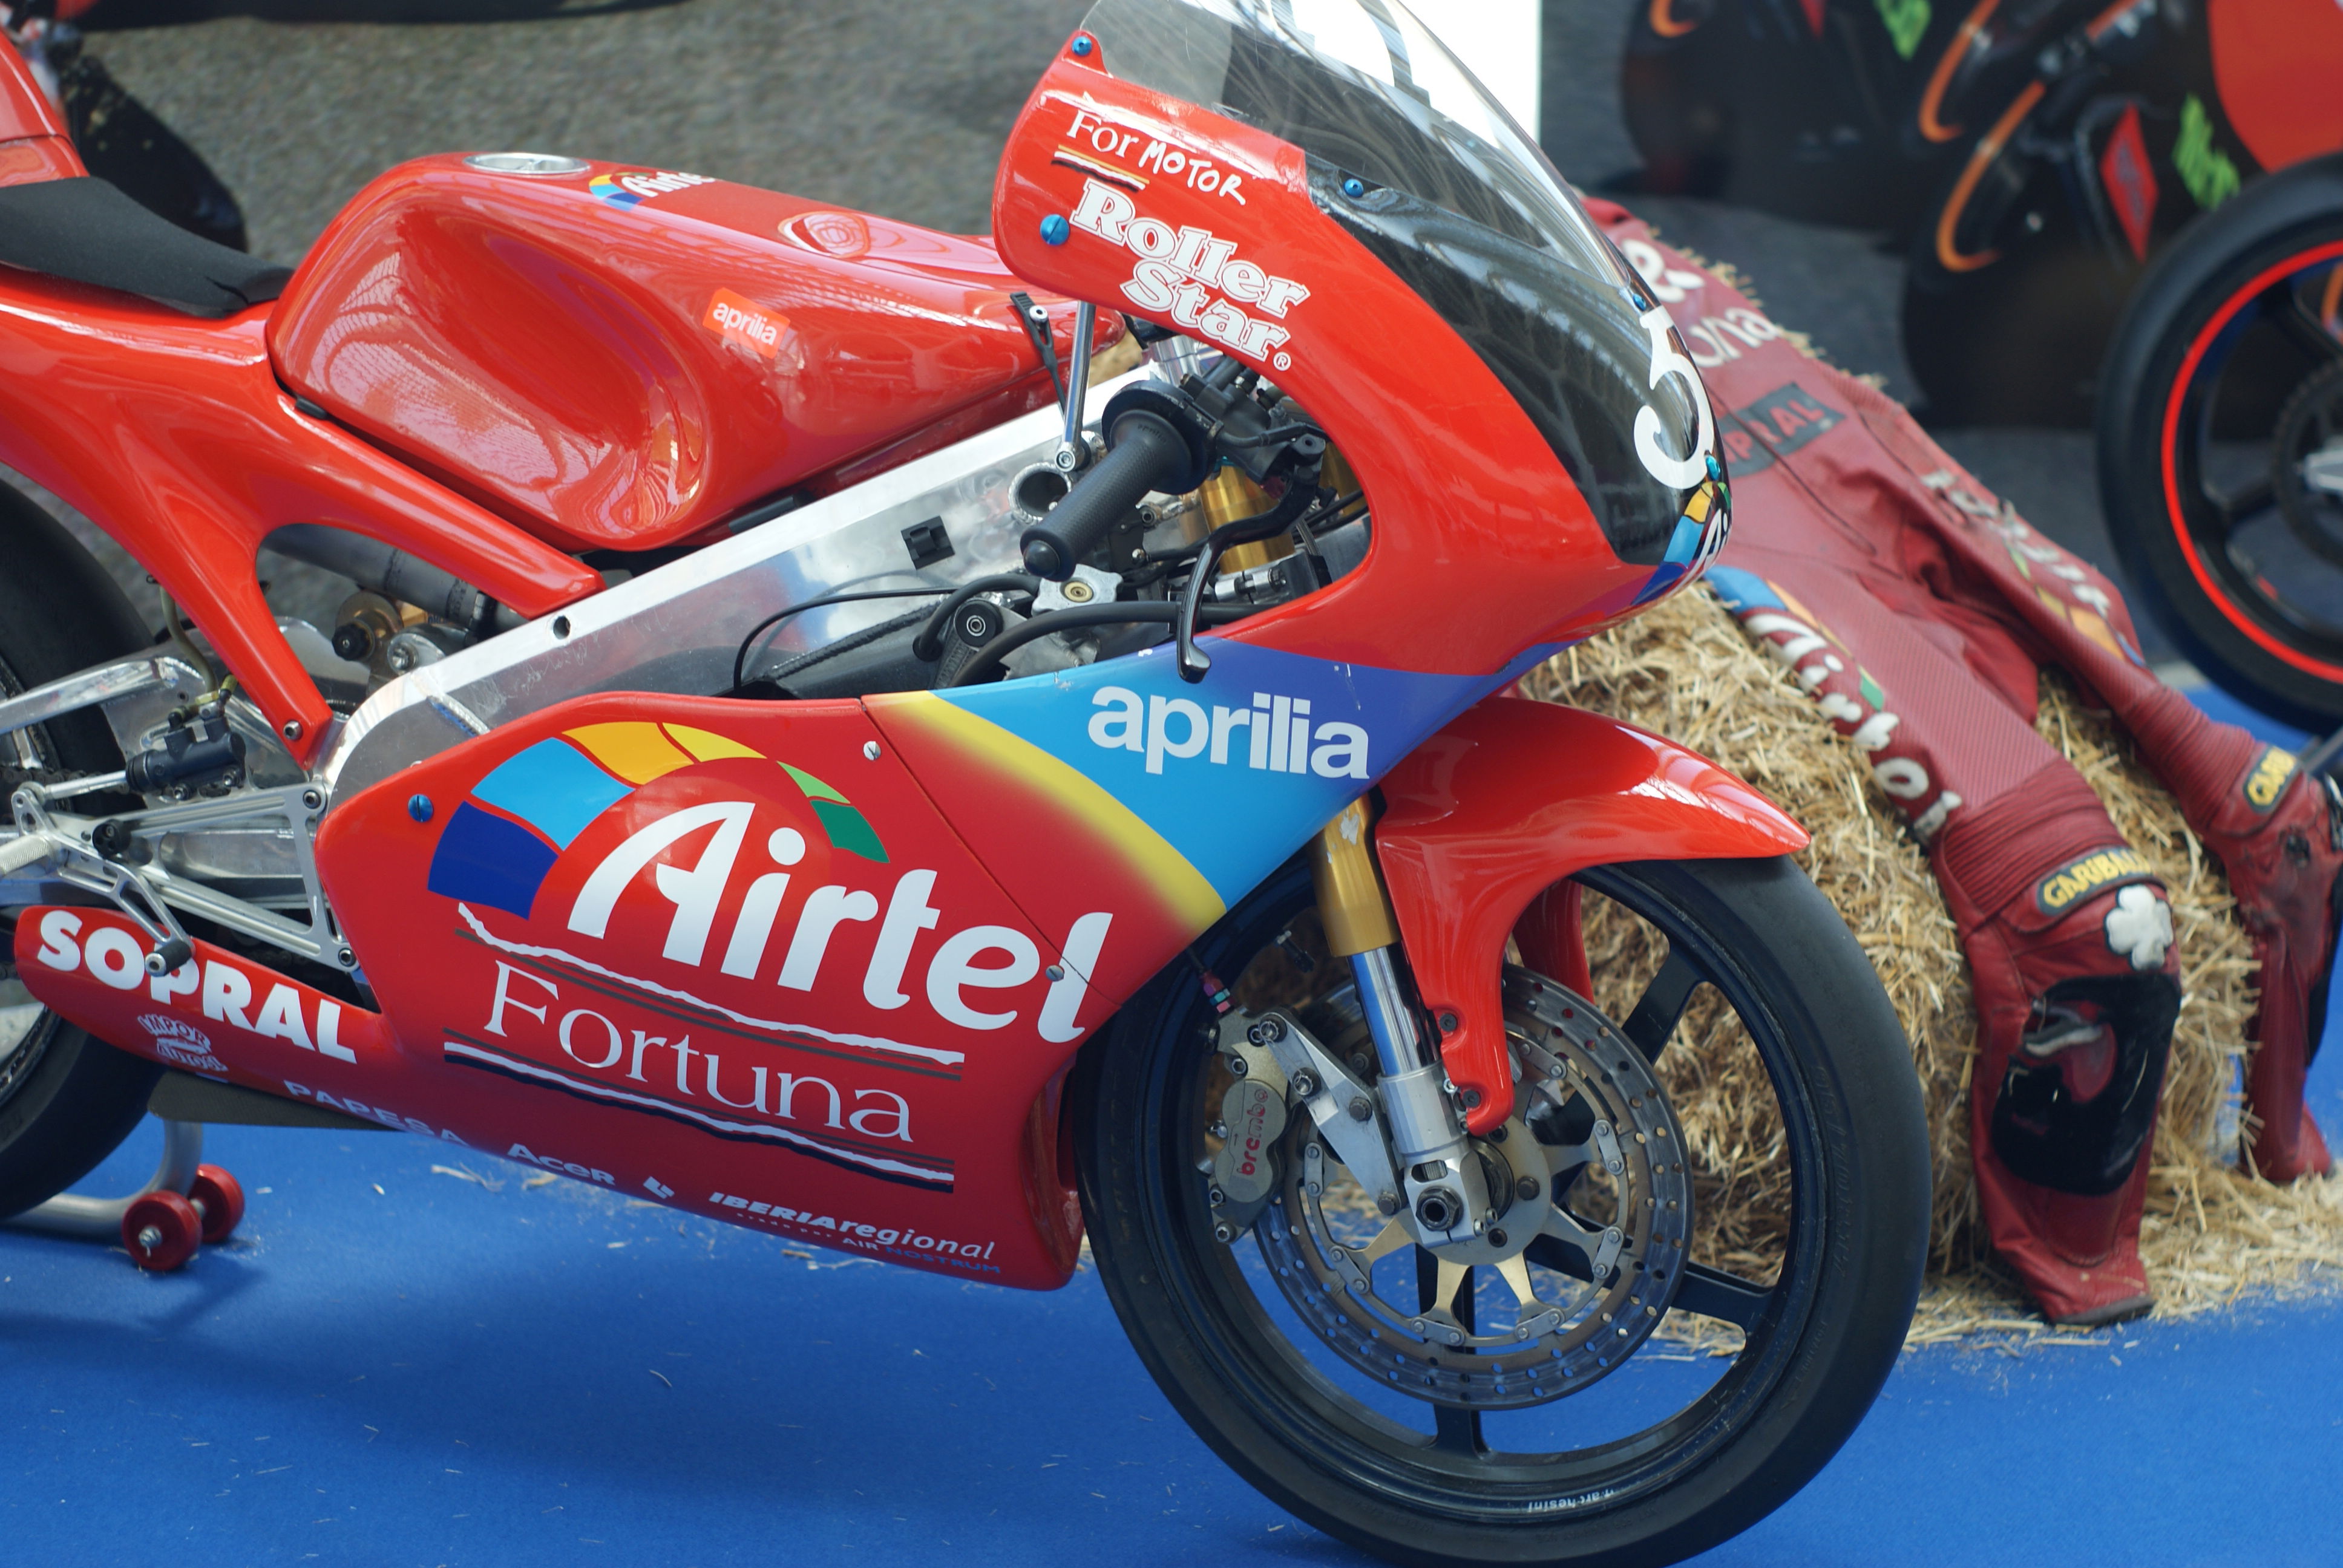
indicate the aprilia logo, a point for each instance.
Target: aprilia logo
{"x":751,"y":325}
{"x":1278,"y":734}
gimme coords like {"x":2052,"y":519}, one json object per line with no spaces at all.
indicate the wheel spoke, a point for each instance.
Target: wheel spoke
{"x":1516,"y":1273}
{"x":1452,"y":1275}
{"x":1389,"y":1239}
{"x":1458,"y":1431}
{"x":2253,"y":496}
{"x":1566,"y":1246}
{"x":1662,"y":1006}
{"x":1437,"y":1283}
{"x":1713,"y":1293}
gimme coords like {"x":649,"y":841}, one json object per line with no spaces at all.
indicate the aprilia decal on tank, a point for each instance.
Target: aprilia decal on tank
{"x":696,"y":919}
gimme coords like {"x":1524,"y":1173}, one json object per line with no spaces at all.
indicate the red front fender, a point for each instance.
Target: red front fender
{"x":1511,"y":798}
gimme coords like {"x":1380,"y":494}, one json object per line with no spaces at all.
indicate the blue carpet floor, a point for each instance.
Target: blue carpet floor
{"x":391,"y":1364}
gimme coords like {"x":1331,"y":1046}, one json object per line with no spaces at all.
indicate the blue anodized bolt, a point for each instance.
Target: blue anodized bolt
{"x":1082,"y":45}
{"x":420,"y":807}
{"x":1055,"y":229}
{"x":1353,"y":187}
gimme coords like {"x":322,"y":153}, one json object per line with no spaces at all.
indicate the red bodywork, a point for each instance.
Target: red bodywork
{"x":590,"y":971}
{"x":34,"y":145}
{"x":1479,"y":822}
{"x":620,"y":359}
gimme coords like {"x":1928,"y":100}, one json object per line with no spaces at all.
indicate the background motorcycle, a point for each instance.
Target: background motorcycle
{"x":2034,"y":155}
{"x":119,"y":138}
{"x":2221,"y":444}
{"x":1463,"y":1190}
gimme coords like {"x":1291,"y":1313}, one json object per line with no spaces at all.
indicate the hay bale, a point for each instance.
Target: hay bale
{"x":1683,"y":669}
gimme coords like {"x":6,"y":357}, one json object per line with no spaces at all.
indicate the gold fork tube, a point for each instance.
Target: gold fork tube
{"x":1352,"y":902}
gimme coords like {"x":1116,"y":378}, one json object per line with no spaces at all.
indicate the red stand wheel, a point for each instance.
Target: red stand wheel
{"x":218,"y":1197}
{"x":162,"y":1230}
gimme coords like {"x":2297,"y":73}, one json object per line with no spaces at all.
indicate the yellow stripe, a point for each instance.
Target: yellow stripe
{"x":632,"y":748}
{"x":1186,"y":895}
{"x":707,"y":746}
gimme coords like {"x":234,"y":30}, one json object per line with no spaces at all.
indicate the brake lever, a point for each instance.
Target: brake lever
{"x":1193,"y":662}
{"x":1301,"y":495}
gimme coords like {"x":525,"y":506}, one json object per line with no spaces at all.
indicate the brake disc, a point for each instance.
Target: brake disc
{"x":1590,"y":1169}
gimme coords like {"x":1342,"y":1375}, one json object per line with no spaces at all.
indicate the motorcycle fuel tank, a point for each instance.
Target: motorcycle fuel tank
{"x":617,"y":357}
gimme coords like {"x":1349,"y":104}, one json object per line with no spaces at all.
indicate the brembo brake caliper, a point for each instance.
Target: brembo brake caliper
{"x":1275,"y":1063}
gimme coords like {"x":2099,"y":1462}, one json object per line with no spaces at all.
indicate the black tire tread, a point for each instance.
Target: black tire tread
{"x":1864,"y":1088}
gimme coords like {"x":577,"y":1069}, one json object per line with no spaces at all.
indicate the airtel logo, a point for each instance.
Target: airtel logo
{"x":971,"y":960}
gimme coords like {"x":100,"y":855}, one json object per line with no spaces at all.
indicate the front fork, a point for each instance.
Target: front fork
{"x":1437,"y":1176}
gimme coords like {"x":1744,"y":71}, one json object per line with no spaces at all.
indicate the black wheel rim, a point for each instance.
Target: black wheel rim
{"x":1443,"y":1462}
{"x":2262,"y":374}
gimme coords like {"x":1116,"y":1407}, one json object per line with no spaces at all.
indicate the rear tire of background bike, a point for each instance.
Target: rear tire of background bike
{"x":2292,"y":213}
{"x":1837,"y":1049}
{"x":66,"y":1099}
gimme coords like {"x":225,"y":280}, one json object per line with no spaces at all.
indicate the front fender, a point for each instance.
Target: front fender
{"x":1511,"y":798}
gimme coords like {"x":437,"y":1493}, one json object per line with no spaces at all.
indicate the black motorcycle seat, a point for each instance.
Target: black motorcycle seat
{"x":87,"y":231}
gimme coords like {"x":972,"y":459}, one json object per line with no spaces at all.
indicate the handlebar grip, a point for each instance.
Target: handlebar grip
{"x":1147,"y":453}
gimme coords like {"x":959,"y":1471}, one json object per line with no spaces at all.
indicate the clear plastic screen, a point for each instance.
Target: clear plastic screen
{"x":1364,"y":86}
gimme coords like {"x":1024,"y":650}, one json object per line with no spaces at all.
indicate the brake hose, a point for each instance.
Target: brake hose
{"x":1078,"y":616}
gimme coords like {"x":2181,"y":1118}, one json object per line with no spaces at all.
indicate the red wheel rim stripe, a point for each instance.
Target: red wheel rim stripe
{"x":2230,"y":612}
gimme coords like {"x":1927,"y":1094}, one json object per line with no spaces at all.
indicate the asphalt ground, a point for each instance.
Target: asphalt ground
{"x":899,"y":110}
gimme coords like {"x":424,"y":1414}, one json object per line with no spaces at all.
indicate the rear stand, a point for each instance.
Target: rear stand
{"x":163,"y":1223}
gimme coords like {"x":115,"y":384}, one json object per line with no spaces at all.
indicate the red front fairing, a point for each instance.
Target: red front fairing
{"x":619,"y":357}
{"x":1457,"y":475}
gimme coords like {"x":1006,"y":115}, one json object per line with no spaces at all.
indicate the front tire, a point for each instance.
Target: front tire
{"x":1420,"y":1483}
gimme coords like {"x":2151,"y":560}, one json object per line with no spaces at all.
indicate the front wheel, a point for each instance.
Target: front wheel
{"x":1715,"y":1214}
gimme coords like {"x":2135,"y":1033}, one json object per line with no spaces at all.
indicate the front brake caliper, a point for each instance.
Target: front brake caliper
{"x":1251,"y":1118}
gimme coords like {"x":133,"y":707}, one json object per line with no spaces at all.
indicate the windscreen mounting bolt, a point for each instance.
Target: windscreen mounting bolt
{"x":1055,"y":229}
{"x":1353,"y":187}
{"x":1083,"y":44}
{"x":420,"y":807}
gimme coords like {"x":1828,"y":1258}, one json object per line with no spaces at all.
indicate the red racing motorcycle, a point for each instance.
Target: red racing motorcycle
{"x":929,"y":744}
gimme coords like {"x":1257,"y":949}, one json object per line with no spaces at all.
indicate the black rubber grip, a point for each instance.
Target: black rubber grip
{"x":1146,"y":453}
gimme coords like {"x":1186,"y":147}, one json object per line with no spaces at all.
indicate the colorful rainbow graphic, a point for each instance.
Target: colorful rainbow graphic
{"x":608,"y":188}
{"x":1708,"y":509}
{"x":501,"y":840}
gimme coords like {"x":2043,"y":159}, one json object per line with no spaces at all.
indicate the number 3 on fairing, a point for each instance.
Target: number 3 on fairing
{"x":1680,"y":473}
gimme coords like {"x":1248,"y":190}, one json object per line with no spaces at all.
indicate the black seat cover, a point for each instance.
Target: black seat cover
{"x":88,"y":231}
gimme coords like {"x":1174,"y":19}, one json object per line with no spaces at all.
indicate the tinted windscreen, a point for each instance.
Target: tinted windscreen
{"x":1360,"y":84}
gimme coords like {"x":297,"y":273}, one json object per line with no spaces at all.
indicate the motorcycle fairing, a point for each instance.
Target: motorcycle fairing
{"x":220,"y":1015}
{"x":1206,"y":788}
{"x":728,"y":940}
{"x":1377,"y":366}
{"x":619,"y":357}
{"x":549,"y":912}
